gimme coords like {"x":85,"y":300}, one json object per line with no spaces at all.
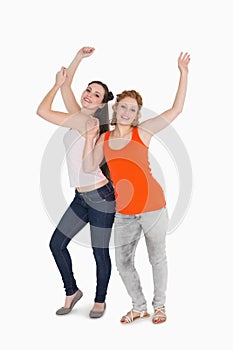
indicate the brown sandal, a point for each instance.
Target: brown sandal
{"x":130,"y":317}
{"x":159,"y":315}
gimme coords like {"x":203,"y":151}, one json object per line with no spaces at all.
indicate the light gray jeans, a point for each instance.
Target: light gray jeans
{"x":128,"y":230}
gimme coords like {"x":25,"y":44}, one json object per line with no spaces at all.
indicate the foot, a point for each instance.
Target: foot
{"x":98,"y":307}
{"x":159,"y":315}
{"x":134,"y":315}
{"x":97,"y":310}
{"x":69,"y":300}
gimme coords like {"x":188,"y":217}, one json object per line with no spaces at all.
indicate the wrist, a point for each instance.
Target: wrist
{"x":57,"y":86}
{"x":66,"y":84}
{"x":183,"y":72}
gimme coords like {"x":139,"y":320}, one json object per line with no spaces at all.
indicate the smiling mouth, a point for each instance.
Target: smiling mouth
{"x":87,"y":100}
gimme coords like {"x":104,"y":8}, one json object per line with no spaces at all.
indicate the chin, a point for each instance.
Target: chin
{"x":86,"y":105}
{"x":124,"y":122}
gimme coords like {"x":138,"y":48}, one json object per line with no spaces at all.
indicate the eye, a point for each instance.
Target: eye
{"x":122,"y":106}
{"x":133,"y":110}
{"x":88,"y":89}
{"x":98,"y":96}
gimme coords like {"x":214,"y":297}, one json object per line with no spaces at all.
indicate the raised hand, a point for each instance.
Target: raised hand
{"x":92,"y":127}
{"x":183,"y":62}
{"x":61,"y":76}
{"x":85,"y":51}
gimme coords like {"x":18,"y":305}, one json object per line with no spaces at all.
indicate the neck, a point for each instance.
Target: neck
{"x":88,"y":111}
{"x":122,"y":130}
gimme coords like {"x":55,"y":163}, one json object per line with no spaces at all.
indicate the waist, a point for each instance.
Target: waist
{"x":92,"y":187}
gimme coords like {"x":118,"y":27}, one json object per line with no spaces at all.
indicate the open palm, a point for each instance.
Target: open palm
{"x":183,"y":61}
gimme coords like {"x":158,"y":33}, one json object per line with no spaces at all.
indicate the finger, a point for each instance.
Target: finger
{"x":180,"y":56}
{"x":187,"y":59}
{"x":185,"y":56}
{"x":63,"y":71}
{"x":90,"y":49}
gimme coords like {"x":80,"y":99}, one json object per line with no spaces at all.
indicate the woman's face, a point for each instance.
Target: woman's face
{"x":126,"y":110}
{"x":93,"y":96}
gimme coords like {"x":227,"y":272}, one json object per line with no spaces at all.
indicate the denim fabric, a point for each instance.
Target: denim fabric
{"x":97,"y":208}
{"x":128,"y":229}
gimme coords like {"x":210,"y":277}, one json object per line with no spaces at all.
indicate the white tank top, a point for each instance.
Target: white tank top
{"x":74,"y":143}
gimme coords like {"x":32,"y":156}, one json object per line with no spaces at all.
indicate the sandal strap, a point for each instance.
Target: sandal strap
{"x":159,"y":313}
{"x":160,"y":309}
{"x":141,"y":313}
{"x":128,"y":319}
{"x":130,"y":316}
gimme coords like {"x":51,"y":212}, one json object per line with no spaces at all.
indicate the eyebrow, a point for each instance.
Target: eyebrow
{"x":95,"y":90}
{"x":129,"y":103}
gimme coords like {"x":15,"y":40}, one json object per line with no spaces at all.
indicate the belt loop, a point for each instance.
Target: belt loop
{"x":108,"y":187}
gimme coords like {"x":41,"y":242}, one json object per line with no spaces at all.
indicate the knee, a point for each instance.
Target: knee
{"x":52,"y":245}
{"x":123,"y":263}
{"x":55,"y":243}
{"x":158,"y":259}
{"x":101,"y":255}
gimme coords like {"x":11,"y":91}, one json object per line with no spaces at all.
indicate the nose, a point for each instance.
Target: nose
{"x":89,"y":93}
{"x":126,"y":112}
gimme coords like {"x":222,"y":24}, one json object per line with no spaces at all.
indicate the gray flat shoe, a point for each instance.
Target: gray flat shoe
{"x":66,"y":310}
{"x":97,"y":314}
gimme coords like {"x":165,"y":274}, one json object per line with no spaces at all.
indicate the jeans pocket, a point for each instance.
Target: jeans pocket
{"x":94,"y":197}
{"x":107,"y":193}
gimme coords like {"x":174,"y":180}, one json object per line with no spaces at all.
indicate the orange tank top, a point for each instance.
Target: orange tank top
{"x":136,"y":190}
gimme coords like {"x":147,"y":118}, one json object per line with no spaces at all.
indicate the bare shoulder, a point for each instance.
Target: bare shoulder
{"x":144,"y":134}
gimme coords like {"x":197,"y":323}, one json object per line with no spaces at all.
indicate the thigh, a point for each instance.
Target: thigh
{"x":74,"y":219}
{"x":101,"y":210}
{"x":155,"y":224}
{"x":101,"y":228}
{"x":127,"y":229}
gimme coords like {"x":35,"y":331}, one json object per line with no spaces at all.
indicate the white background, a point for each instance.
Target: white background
{"x":137,"y":45}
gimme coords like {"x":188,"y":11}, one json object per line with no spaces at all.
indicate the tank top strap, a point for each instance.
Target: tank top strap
{"x":136,"y":136}
{"x":107,"y":135}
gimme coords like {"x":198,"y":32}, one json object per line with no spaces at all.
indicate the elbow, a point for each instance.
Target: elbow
{"x":177,"y":110}
{"x":39,"y":112}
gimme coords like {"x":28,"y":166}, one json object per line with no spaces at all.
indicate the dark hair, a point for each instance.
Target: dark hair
{"x":103,"y":115}
{"x":108,"y":95}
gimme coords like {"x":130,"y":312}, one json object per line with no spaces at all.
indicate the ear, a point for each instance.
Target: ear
{"x":101,"y":105}
{"x":114,"y":107}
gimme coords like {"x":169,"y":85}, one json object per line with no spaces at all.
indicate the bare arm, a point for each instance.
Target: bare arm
{"x":45,"y":111}
{"x":93,"y":154}
{"x":69,"y":99}
{"x":158,"y":123}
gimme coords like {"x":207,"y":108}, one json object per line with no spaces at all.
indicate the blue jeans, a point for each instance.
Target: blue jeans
{"x":97,"y":208}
